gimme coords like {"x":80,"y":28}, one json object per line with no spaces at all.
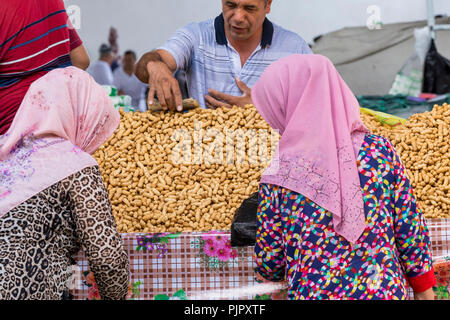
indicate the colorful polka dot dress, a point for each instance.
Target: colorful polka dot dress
{"x":296,"y":241}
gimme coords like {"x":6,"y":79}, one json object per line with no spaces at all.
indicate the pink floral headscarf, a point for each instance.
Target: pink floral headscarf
{"x":64,"y":117}
{"x":304,"y":97}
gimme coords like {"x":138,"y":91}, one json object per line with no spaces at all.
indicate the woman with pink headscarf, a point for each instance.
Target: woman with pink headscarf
{"x":337,"y":217}
{"x":52,"y":197}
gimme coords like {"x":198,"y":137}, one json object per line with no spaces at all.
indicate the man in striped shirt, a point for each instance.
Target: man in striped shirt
{"x":35,"y":37}
{"x":221,"y":57}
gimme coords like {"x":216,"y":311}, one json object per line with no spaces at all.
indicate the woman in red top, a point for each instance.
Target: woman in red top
{"x":35,"y":38}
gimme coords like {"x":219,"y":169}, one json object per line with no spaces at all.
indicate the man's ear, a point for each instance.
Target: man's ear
{"x":268,"y":6}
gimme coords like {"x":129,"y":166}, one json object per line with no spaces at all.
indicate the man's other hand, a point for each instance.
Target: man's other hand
{"x":215,"y":99}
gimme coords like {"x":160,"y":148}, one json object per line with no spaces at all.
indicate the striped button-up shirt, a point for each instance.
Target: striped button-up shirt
{"x":210,"y":62}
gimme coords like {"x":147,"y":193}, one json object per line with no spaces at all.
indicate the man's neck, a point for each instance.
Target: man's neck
{"x":128,"y":71}
{"x":105,"y":60}
{"x":246,"y":47}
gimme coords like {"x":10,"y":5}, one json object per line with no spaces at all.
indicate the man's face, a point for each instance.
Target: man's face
{"x":129,"y":61}
{"x":243,"y":18}
{"x":108,"y":58}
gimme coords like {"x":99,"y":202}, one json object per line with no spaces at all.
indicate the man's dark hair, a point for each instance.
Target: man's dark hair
{"x":105,"y":50}
{"x":130,"y":52}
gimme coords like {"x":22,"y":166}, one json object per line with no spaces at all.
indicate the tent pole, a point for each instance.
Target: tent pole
{"x":431,"y":21}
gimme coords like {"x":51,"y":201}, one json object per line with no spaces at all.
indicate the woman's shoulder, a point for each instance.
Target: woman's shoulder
{"x":88,"y":171}
{"x":86,"y":175}
{"x":374,"y":138}
{"x":377,"y":146}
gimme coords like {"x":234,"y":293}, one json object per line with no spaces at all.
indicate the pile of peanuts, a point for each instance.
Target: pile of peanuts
{"x":423,"y":144}
{"x":151,"y":190}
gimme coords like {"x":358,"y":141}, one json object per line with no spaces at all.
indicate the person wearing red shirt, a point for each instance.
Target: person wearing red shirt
{"x":35,"y":38}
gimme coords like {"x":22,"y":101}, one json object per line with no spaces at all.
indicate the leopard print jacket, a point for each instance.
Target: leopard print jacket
{"x":39,"y":238}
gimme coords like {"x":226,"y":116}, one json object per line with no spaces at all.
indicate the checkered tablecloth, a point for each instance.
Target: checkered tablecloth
{"x":440,"y":236}
{"x":162,"y":265}
{"x":204,"y":266}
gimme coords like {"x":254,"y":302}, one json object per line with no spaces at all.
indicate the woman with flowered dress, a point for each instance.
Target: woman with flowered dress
{"x":337,"y":217}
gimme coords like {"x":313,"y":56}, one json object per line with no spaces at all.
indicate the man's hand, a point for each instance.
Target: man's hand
{"x":162,"y":82}
{"x":215,"y":99}
{"x":427,"y":295}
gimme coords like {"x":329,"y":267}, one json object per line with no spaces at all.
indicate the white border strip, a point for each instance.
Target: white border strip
{"x":36,"y":54}
{"x":230,"y":294}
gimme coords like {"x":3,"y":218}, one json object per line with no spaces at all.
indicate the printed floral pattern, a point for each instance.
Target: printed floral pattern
{"x":215,"y":250}
{"x":179,"y":295}
{"x":155,"y":242}
{"x":442,"y":272}
{"x":18,"y":165}
{"x":90,"y":283}
{"x":133,"y":288}
{"x":38,"y":99}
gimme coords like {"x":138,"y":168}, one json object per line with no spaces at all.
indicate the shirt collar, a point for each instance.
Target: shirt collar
{"x":221,"y":38}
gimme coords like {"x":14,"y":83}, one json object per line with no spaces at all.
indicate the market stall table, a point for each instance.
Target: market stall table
{"x":204,"y":266}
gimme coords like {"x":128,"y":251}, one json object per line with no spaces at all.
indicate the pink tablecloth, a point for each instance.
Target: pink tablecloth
{"x":204,"y":266}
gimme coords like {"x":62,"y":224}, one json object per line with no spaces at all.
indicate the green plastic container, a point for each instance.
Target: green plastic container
{"x":111,"y":91}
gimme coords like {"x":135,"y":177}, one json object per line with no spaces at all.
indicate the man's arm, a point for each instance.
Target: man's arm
{"x":80,"y":58}
{"x":154,"y":56}
{"x":156,"y":68}
{"x":78,"y":54}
